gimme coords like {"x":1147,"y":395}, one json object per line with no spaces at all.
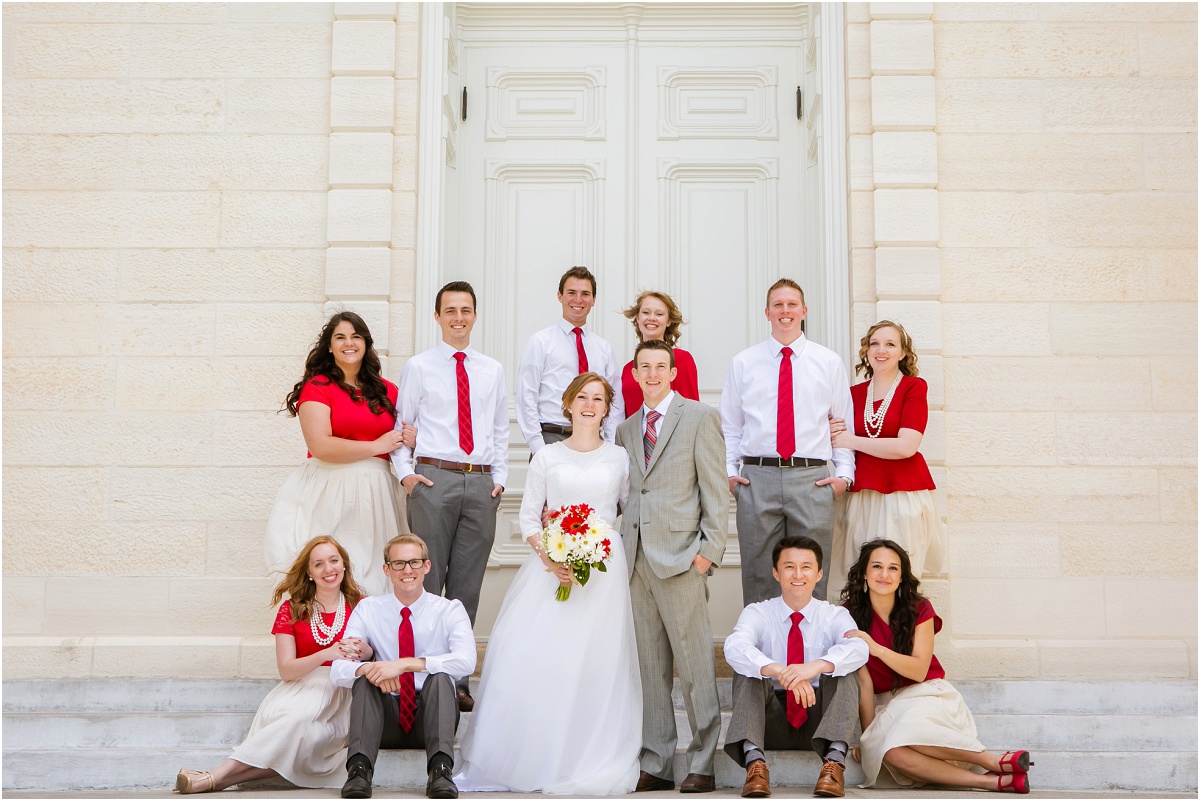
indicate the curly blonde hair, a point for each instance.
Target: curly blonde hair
{"x":908,"y":364}
{"x":674,"y":316}
{"x":302,"y":590}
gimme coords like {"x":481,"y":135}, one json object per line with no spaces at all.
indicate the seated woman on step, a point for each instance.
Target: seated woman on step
{"x":914,"y":722}
{"x":300,"y":729}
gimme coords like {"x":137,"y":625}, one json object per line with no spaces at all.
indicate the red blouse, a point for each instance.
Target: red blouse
{"x":883,"y":678}
{"x":302,"y":630}
{"x":686,"y":383}
{"x":909,"y":409}
{"x":348,"y":418}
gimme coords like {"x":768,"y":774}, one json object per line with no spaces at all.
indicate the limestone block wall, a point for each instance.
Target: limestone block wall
{"x":1023,"y":185}
{"x":166,"y":176}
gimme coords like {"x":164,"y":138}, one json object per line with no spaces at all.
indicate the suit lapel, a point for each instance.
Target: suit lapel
{"x":633,"y":441}
{"x":665,"y":430}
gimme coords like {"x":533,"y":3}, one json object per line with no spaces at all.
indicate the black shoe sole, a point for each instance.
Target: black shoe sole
{"x":356,"y":793}
{"x":442,"y":792}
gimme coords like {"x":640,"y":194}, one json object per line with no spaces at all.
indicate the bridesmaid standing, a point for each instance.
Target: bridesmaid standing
{"x":892,"y":496}
{"x":655,"y":316}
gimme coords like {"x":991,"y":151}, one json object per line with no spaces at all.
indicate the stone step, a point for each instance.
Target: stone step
{"x":244,"y":695}
{"x":40,"y":730}
{"x":99,"y":769}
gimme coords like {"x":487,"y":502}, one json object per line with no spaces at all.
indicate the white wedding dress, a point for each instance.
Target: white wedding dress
{"x":560,"y":702}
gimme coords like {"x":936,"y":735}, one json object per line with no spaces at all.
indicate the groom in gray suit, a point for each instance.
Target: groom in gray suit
{"x":673,"y":528}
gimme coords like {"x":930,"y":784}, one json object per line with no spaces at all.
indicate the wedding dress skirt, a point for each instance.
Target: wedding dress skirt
{"x":560,"y":701}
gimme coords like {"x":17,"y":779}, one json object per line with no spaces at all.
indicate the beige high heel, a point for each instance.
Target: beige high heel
{"x":194,"y":781}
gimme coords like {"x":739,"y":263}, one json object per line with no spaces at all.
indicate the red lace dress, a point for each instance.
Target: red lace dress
{"x":300,"y":728}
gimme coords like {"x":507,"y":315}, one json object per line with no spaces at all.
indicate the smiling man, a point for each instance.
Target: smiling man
{"x":405,"y":698}
{"x":552,"y":359}
{"x":456,"y":470}
{"x":775,"y":409}
{"x":673,"y":530}
{"x":794,"y":685}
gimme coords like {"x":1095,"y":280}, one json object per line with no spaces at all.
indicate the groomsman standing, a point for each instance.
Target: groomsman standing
{"x":674,"y":531}
{"x":775,"y":410}
{"x":455,"y":397}
{"x":552,"y":359}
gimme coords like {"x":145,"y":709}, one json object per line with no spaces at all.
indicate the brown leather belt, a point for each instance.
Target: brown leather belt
{"x":775,"y":461}
{"x":551,"y":428}
{"x":461,"y":467}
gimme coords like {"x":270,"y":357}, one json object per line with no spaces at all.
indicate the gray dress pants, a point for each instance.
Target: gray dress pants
{"x":780,"y":502}
{"x":760,"y":717}
{"x":375,"y":719}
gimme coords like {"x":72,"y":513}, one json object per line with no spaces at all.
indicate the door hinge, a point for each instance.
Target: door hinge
{"x":464,"y":104}
{"x":799,"y":103}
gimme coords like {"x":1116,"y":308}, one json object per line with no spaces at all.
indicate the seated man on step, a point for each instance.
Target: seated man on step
{"x":795,"y":685}
{"x":423,"y":643}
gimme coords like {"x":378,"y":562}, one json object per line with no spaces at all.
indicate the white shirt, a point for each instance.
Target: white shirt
{"x":442,"y":636}
{"x":661,"y":408}
{"x":761,"y":634}
{"x":548,"y":366}
{"x":750,"y":403}
{"x":428,"y":400}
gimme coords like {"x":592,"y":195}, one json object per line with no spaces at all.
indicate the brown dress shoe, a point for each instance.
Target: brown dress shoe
{"x":649,"y":783}
{"x":758,"y":780}
{"x":465,"y":702}
{"x":830,"y":783}
{"x":698,"y":783}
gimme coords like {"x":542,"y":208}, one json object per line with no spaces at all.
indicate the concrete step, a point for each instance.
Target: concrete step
{"x":98,"y":769}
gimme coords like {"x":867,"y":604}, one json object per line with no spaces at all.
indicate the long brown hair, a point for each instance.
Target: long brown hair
{"x":857,"y":598}
{"x":320,"y":362}
{"x":908,"y":363}
{"x":302,"y":590}
{"x":674,"y":316}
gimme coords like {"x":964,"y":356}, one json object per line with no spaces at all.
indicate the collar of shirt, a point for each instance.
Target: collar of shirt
{"x":661,"y":408}
{"x":797,"y":346}
{"x":448,"y":351}
{"x":568,"y":327}
{"x":783,"y":612}
{"x":416,"y":607}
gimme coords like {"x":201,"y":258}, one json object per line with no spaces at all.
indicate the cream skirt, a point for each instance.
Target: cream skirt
{"x":908,"y":518}
{"x":358,"y":504}
{"x":300,"y":732}
{"x":929,"y":713}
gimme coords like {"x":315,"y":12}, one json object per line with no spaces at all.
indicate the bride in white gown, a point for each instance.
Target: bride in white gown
{"x":560,"y":701}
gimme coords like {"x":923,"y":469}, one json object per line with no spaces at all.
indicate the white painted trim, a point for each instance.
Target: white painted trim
{"x":431,"y":165}
{"x":835,"y":187}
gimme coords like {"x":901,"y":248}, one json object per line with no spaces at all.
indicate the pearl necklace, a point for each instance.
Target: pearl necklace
{"x":872,"y":420}
{"x":324,"y":634}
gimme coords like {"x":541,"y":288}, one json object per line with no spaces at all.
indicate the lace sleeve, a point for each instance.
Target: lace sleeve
{"x":283,"y":620}
{"x":535,"y":494}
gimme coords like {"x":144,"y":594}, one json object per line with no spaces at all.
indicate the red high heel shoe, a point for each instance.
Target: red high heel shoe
{"x":1018,"y":783}
{"x":1016,"y":762}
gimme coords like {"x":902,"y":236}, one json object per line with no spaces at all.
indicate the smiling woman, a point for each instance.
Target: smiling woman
{"x":345,"y":488}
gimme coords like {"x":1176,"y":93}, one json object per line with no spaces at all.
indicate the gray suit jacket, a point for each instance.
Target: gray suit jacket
{"x":678,"y":505}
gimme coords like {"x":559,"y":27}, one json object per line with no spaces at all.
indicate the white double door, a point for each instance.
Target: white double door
{"x":656,"y":159}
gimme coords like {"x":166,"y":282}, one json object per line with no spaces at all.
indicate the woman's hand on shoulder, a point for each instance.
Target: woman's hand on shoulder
{"x":862,"y":635}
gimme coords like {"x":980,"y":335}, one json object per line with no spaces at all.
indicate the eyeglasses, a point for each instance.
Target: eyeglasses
{"x":399,"y":564}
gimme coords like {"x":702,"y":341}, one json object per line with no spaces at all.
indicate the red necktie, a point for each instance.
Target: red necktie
{"x":785,"y":426}
{"x":650,"y":439}
{"x":466,"y":439}
{"x":408,"y":686}
{"x":796,"y":714}
{"x":583,"y":367}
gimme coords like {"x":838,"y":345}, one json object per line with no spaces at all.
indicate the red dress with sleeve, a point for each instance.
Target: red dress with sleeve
{"x":302,"y":630}
{"x":883,"y":678}
{"x":350,"y":418}
{"x":686,"y":383}
{"x":909,"y":409}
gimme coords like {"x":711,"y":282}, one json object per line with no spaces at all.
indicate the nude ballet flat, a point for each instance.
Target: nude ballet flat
{"x":194,"y":781}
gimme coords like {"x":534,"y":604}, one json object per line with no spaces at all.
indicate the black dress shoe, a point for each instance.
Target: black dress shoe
{"x":358,"y":782}
{"x":440,"y":784}
{"x":465,"y":702}
{"x":649,"y":783}
{"x":698,"y":783}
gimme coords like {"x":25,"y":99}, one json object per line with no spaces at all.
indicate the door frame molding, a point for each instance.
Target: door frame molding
{"x":440,"y":99}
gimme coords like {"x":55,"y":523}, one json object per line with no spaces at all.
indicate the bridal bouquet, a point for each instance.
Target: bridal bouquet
{"x":577,"y":537}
